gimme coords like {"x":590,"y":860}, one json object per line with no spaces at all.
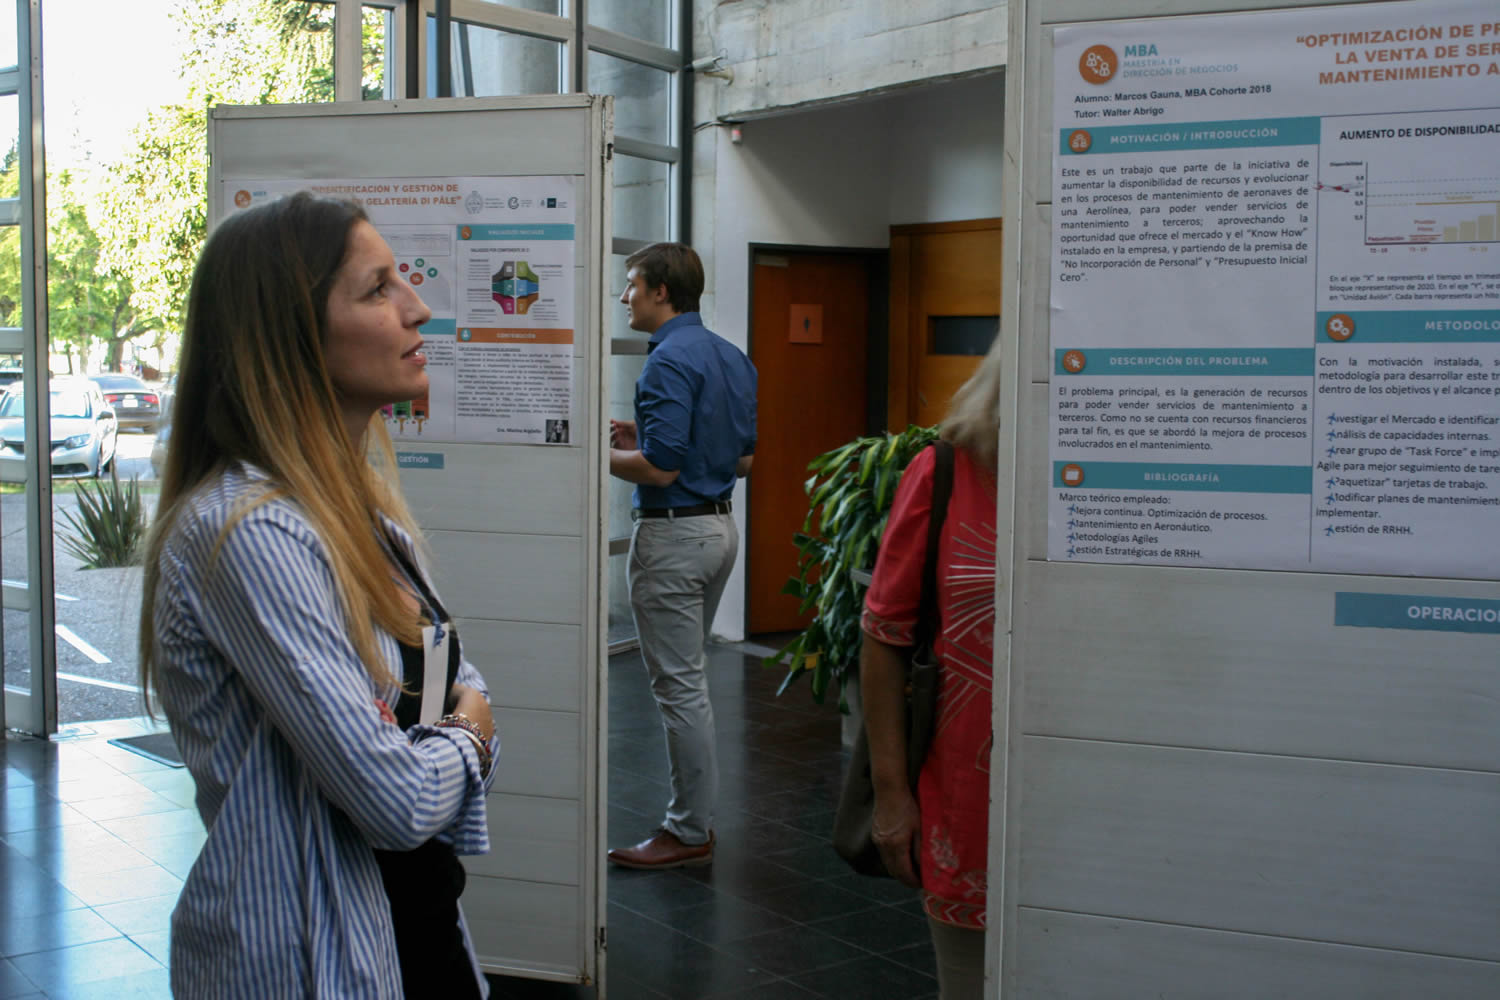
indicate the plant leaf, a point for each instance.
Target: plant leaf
{"x":849,"y":499}
{"x":820,"y":678}
{"x":867,"y":462}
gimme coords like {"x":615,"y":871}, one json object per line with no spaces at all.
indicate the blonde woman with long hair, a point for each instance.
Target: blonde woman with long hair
{"x":287,"y":624}
{"x":936,"y":840}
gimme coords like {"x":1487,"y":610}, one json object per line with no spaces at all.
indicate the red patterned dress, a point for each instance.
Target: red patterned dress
{"x":953,"y":792}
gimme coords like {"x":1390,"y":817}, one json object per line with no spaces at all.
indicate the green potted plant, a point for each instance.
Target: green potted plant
{"x":109,"y":525}
{"x":849,"y":500}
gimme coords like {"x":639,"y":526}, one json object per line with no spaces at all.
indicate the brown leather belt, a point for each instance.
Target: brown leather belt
{"x":696,"y":510}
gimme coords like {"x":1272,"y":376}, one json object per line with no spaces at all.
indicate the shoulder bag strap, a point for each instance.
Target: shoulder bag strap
{"x":922,"y":664}
{"x":928,"y":618}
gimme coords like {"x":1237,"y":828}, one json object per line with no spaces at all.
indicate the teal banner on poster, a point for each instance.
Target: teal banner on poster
{"x":1191,"y":361}
{"x":1232,"y":134}
{"x":1415,"y":611}
{"x":419,"y":459}
{"x":1090,"y":475}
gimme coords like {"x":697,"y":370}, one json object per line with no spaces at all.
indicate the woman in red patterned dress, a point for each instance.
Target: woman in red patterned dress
{"x":938,"y":839}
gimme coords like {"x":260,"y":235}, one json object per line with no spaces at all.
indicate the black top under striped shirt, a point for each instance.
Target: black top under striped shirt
{"x":424,"y":885}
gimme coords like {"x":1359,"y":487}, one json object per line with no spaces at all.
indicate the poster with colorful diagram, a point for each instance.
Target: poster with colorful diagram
{"x":515,"y":330}
{"x":493,"y":259}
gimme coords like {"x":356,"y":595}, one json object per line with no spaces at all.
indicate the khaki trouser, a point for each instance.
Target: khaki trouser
{"x":678,"y":568}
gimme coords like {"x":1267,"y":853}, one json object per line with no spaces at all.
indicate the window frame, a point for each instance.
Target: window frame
{"x":407,"y":51}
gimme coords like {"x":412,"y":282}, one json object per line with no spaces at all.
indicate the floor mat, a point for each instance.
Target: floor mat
{"x":160,"y":747}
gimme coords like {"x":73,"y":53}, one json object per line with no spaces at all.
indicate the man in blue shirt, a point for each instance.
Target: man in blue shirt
{"x":692,"y":437}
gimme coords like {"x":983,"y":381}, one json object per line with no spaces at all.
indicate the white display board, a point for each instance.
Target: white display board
{"x":503,"y":461}
{"x":1248,"y":743}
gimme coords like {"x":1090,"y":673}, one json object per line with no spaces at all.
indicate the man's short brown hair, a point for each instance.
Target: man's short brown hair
{"x":675,"y":265}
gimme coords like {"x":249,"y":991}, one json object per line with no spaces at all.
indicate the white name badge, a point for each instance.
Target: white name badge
{"x":434,"y":672}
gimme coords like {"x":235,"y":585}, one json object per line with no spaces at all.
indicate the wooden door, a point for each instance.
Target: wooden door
{"x":810,"y":315}
{"x":945,"y":311}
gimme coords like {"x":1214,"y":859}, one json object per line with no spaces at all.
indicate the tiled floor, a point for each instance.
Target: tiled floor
{"x":777,"y":914}
{"x":95,"y":841}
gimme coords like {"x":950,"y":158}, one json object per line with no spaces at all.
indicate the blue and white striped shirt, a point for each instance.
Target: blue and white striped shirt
{"x":297,"y":776}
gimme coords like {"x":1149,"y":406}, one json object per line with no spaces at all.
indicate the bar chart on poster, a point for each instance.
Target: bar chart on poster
{"x":1391,"y":181}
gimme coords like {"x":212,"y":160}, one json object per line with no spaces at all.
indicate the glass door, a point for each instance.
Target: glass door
{"x":30,"y":667}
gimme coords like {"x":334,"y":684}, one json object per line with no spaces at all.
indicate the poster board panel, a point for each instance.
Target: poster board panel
{"x":538,"y":134}
{"x":469,"y":575}
{"x":1241,"y":680}
{"x":534,"y":838}
{"x":476,"y":493}
{"x":1034,"y":354}
{"x":1293,"y":691}
{"x":509,"y":917}
{"x":536,"y":664}
{"x":1168,"y":960}
{"x":1172,"y":818}
{"x":503,"y":463}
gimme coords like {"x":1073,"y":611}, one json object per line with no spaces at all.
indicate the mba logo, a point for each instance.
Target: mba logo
{"x":1098,"y":64}
{"x":1139,"y":50}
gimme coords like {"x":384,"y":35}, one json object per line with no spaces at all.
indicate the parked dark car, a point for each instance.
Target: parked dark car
{"x":135,"y":403}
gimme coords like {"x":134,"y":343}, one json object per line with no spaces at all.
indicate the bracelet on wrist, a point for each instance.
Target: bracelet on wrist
{"x":485,"y":760}
{"x":467,"y":726}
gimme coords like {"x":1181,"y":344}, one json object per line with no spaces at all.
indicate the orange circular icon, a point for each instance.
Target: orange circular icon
{"x":464,"y":233}
{"x":1073,"y":362}
{"x":1097,"y":64}
{"x":416,"y":278}
{"x":1340,"y":326}
{"x":1080,"y":141}
{"x":241,"y":198}
{"x":1072,"y":475}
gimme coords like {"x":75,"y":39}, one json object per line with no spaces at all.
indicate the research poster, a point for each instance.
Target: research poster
{"x":493,"y":258}
{"x":1275,"y":291}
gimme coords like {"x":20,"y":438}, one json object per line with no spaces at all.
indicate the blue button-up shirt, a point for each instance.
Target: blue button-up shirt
{"x":694,"y":412}
{"x":297,"y":776}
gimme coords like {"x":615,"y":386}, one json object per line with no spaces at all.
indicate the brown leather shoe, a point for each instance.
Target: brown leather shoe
{"x":664,"y":850}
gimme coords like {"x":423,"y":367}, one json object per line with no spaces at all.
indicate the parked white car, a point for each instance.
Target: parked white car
{"x":159,"y":446}
{"x":83,"y":433}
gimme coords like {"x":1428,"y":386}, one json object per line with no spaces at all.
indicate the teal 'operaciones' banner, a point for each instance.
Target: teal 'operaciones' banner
{"x":419,"y":459}
{"x":439,"y":328}
{"x":539,"y":231}
{"x":1191,"y":135}
{"x":1449,"y":326}
{"x":1409,"y":611}
{"x":1086,"y":475}
{"x":1184,"y":361}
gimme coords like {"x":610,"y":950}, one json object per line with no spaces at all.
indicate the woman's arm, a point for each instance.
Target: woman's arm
{"x":270,"y":606}
{"x":897,"y":823}
{"x":889,"y":623}
{"x":469,"y":677}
